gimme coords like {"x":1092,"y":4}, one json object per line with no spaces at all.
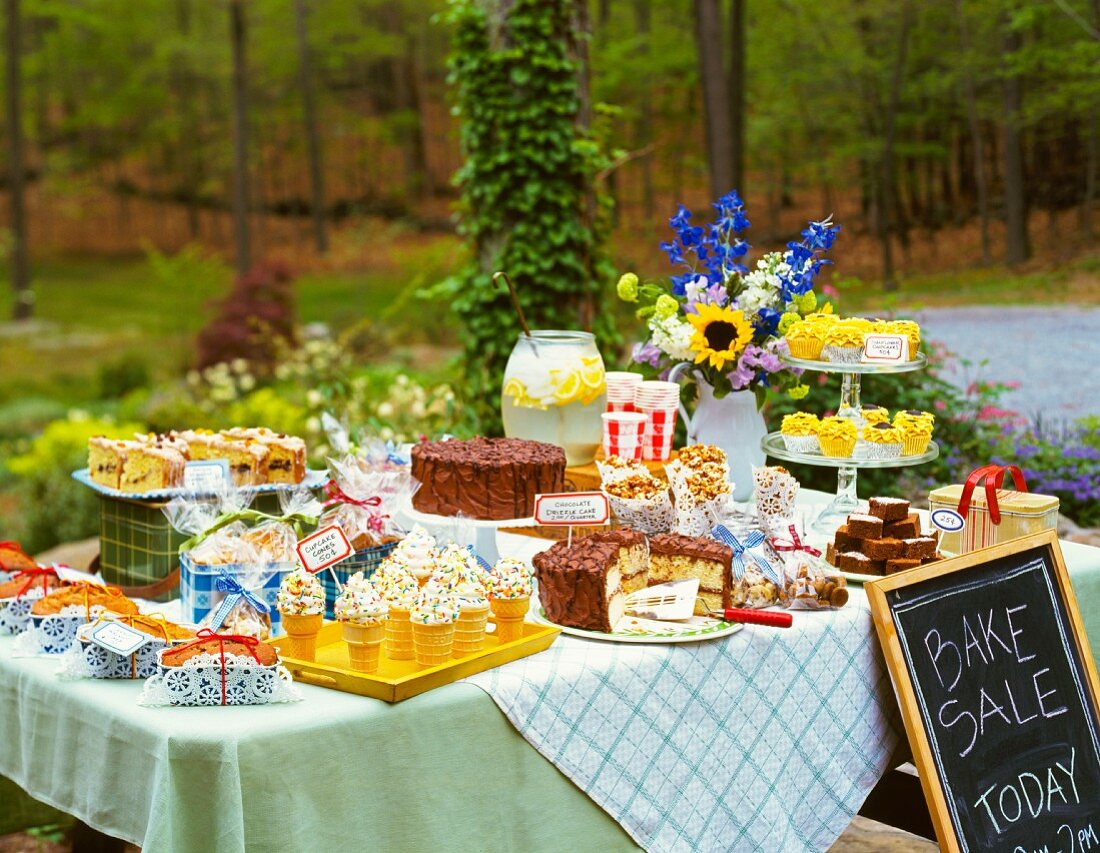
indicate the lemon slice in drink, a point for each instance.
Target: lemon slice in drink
{"x":568,"y":385}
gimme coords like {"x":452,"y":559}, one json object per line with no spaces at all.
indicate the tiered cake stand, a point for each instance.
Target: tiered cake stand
{"x":846,"y":500}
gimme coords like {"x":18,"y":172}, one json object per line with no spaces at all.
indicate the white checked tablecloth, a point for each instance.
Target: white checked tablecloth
{"x":767,"y":739}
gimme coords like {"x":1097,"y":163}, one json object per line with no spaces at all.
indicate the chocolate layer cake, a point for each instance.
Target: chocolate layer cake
{"x":673,"y":558}
{"x":581,"y":585}
{"x":486,"y":478}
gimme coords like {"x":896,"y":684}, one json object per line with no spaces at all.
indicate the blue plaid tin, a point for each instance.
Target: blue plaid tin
{"x":365,"y":561}
{"x":199,"y":594}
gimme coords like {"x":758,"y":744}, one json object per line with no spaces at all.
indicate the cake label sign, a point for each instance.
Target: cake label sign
{"x":206,"y":475}
{"x":889,"y":349}
{"x":118,"y":638}
{"x":570,"y":508}
{"x":324,"y":549}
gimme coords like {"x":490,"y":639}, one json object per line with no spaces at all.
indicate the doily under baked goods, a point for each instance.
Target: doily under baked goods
{"x":84,"y":659}
{"x":208,"y":679}
{"x":15,"y":613}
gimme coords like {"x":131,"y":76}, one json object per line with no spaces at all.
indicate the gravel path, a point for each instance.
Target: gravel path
{"x":1054,"y":353}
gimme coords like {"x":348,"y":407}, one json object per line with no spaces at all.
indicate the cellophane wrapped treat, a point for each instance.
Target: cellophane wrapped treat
{"x":363,"y":496}
{"x":775,"y":490}
{"x":758,"y":578}
{"x":699,"y":480}
{"x":754,"y":590}
{"x":637,"y":498}
{"x":231,"y":568}
{"x":812,"y":584}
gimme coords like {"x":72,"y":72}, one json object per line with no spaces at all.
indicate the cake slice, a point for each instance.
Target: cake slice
{"x":581,"y":585}
{"x":201,"y":443}
{"x":105,"y":459}
{"x":286,"y":459}
{"x":673,"y":557}
{"x":247,"y":457}
{"x":148,"y":467}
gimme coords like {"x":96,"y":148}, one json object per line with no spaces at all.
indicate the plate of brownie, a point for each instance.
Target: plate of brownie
{"x":583,"y":586}
{"x":885,"y":540}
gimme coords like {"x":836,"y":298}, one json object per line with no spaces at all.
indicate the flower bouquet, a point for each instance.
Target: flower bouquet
{"x":721,"y":317}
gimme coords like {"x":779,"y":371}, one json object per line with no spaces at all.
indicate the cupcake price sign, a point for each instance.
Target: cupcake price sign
{"x":324,"y":549}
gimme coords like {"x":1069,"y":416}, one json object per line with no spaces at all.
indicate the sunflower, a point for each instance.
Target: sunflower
{"x":720,"y":334}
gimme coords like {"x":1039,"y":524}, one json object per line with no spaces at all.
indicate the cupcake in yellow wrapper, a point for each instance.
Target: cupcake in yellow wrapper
{"x":799,"y":432}
{"x":843,"y":343}
{"x":911,"y":330}
{"x":910,"y":415}
{"x":874,"y":414}
{"x":805,"y":339}
{"x":915,"y":436}
{"x":837,"y":437}
{"x":883,"y":441}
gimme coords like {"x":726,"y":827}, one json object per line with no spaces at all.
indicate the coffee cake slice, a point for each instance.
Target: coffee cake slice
{"x":673,"y":557}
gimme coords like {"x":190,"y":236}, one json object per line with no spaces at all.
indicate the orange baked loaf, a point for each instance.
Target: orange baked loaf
{"x":84,"y":595}
{"x":12,"y":558}
{"x":14,"y":587}
{"x":155,"y":627}
{"x":178,"y":657}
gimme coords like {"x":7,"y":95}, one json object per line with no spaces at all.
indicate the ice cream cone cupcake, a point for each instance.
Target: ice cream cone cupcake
{"x":363,"y":613}
{"x":399,"y":591}
{"x":417,"y":554}
{"x":433,"y":625}
{"x":301,"y":601}
{"x":473,"y":603}
{"x":510,"y":598}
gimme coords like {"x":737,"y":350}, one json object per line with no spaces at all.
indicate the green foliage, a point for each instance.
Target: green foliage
{"x":529,"y":203}
{"x":122,"y":375}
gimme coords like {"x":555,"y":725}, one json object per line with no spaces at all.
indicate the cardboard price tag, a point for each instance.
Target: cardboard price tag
{"x":118,"y":638}
{"x":206,"y":475}
{"x":885,"y":349}
{"x":324,"y":549}
{"x":572,"y":508}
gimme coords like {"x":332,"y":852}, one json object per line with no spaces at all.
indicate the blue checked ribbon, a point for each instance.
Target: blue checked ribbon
{"x":740,"y":549}
{"x":481,"y":561}
{"x":234,"y":592}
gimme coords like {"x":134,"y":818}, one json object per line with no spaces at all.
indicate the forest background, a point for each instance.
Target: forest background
{"x":174,"y":167}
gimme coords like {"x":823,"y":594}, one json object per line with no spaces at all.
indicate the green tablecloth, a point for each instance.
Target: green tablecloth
{"x":441,"y":771}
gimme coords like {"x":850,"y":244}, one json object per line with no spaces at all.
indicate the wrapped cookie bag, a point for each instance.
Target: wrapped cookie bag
{"x":758,"y":580}
{"x":810,"y":582}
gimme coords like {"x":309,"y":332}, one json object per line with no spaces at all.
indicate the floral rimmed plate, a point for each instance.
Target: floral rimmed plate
{"x":633,"y":630}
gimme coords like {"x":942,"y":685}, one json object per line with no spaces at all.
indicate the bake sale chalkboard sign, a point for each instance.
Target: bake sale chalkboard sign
{"x":999,"y":694}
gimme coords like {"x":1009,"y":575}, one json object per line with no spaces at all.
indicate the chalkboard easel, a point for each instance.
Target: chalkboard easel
{"x":1000,"y":696}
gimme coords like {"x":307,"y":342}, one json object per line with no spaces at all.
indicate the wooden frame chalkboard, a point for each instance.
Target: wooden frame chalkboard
{"x":1000,"y":696}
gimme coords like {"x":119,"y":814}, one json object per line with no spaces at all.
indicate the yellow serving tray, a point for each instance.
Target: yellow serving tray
{"x":399,"y":679}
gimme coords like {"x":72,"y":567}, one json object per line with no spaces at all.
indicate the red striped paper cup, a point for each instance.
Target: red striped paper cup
{"x":627,"y":406}
{"x":621,"y":386}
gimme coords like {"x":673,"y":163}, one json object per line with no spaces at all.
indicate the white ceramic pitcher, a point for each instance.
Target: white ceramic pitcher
{"x":732,"y":423}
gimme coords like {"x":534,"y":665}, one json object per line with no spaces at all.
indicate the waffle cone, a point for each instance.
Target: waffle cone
{"x":399,"y":637}
{"x":470,"y":631}
{"x":364,"y":645}
{"x":509,"y":614}
{"x":301,"y":635}
{"x":434,"y":643}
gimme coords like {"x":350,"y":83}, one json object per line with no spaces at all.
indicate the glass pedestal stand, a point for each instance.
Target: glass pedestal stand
{"x":846,"y":500}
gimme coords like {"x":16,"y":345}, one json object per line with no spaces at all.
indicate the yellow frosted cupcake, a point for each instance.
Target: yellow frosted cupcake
{"x":823,"y":318}
{"x":861,"y":323}
{"x":843,"y":343}
{"x":915,"y":436}
{"x":874,"y":414}
{"x":911,"y":330}
{"x":883,"y":441}
{"x":799,"y":432}
{"x":909,"y":415}
{"x":805,"y":339}
{"x":837,"y":436}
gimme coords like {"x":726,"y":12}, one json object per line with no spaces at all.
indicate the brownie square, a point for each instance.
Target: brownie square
{"x":845,"y":541}
{"x":935,"y":558}
{"x":889,"y":509}
{"x":876,"y":567}
{"x":883,"y":549}
{"x":830,"y":554}
{"x":900,"y":564}
{"x":864,"y":526}
{"x":921,"y":547}
{"x":907,"y":528}
{"x":853,"y":561}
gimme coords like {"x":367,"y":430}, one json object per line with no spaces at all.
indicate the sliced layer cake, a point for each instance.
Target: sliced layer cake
{"x":286,"y":459}
{"x":674,"y":558}
{"x":148,"y":467}
{"x":585,"y":585}
{"x":105,"y":459}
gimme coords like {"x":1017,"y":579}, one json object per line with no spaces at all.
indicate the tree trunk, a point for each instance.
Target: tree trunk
{"x":581,"y":31}
{"x":643,"y":129}
{"x":192,"y":146}
{"x":1017,"y":244}
{"x":887,"y":207}
{"x":975,"y":132}
{"x":313,"y":139}
{"x":1093,"y":148}
{"x":237,"y":32}
{"x":716,"y":102}
{"x":23,"y":304}
{"x":737,"y":84}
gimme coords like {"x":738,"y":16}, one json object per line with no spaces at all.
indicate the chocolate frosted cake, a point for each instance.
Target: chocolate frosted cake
{"x":584,"y":585}
{"x":486,"y":478}
{"x":675,"y":558}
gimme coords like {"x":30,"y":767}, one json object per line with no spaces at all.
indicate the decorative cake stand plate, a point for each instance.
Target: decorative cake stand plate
{"x":633,"y":630}
{"x":313,"y":480}
{"x":445,"y":526}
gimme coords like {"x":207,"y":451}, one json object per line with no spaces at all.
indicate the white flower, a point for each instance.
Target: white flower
{"x":313,"y":424}
{"x":239,"y":365}
{"x":247,"y":383}
{"x":314,"y":398}
{"x":672,"y":336}
{"x":386,"y":433}
{"x":193,"y":378}
{"x":385,"y":410}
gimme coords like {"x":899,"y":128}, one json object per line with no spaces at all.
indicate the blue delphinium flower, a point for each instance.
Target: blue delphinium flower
{"x":713,"y":251}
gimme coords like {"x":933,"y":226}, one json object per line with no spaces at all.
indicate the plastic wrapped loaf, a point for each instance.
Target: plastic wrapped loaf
{"x":365,"y":493}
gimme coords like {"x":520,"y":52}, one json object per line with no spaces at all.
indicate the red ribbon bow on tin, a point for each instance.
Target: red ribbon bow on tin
{"x":33,"y":575}
{"x":206,"y":634}
{"x":336,"y":495}
{"x":793,"y":544}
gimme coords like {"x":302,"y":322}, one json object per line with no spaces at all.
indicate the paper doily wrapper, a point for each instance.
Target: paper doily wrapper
{"x":87,"y":660}
{"x":802,"y":443}
{"x":775,"y":491}
{"x":614,"y":473}
{"x":649,"y":515}
{"x":199,"y":682}
{"x":15,"y":613}
{"x":56,"y":633}
{"x":695,"y":517}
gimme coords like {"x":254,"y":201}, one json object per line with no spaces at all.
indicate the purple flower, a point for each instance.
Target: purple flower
{"x":647,"y":353}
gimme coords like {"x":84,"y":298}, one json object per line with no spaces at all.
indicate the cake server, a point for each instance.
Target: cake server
{"x":666,"y":602}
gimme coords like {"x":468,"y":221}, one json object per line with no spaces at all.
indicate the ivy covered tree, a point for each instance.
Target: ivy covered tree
{"x":529,"y":200}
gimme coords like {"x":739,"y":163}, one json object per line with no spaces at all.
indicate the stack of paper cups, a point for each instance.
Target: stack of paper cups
{"x":620,"y":390}
{"x":658,"y":402}
{"x":622,"y":434}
